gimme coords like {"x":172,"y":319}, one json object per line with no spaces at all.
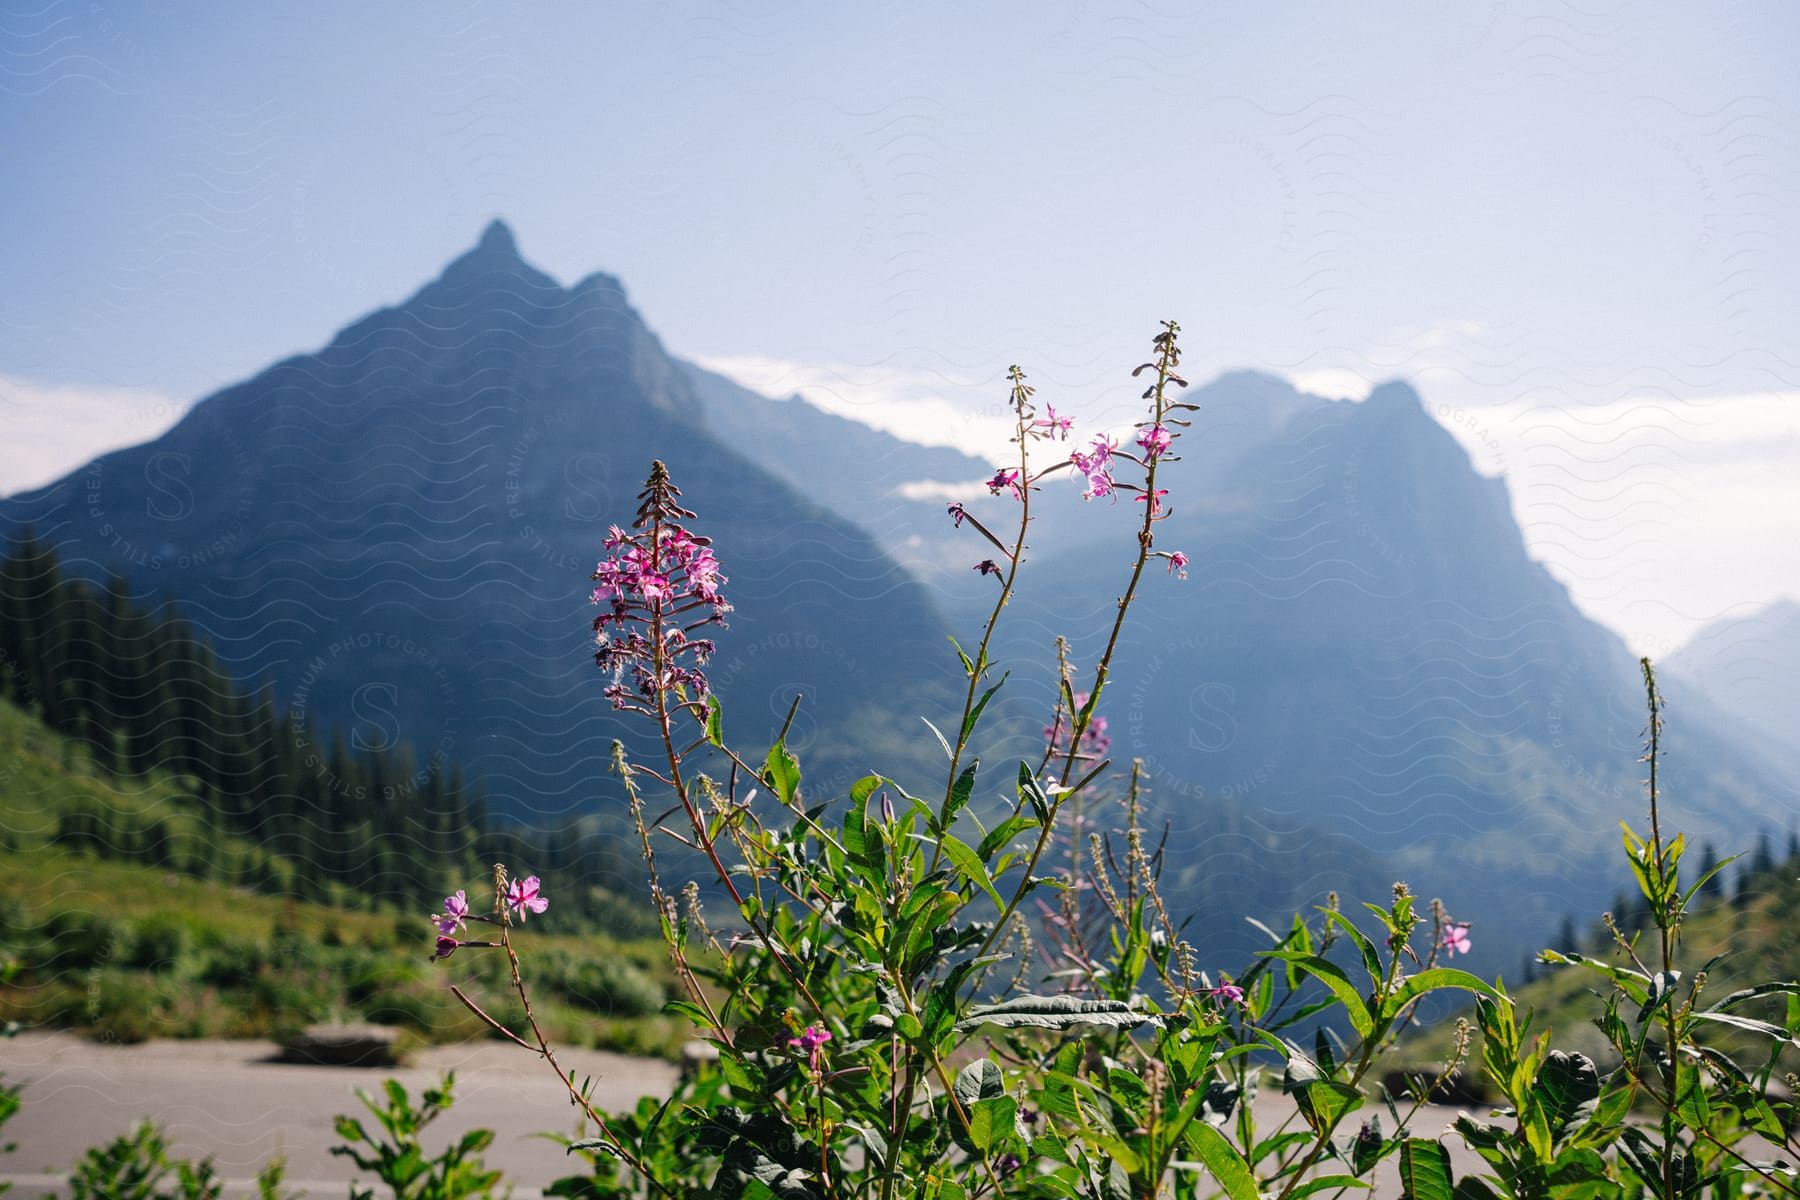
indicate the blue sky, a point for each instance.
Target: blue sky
{"x":1568,"y":226}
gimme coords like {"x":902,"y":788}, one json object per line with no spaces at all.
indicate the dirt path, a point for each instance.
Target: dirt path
{"x":227,"y":1100}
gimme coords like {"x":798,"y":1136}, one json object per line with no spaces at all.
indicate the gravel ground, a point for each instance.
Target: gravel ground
{"x":228,"y":1100}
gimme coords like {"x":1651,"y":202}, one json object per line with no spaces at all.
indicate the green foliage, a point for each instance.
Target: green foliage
{"x":137,"y":1166}
{"x":886,"y":1027}
{"x":132,"y":953}
{"x":9,"y":1108}
{"x":889,"y":1025}
{"x":394,"y":1155}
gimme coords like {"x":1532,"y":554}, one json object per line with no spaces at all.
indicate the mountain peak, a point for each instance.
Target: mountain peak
{"x":1396,"y":397}
{"x":498,"y":238}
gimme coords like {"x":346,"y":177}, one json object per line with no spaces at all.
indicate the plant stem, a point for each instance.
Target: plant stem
{"x":1666,"y":931}
{"x":567,"y":1078}
{"x":1013,"y":558}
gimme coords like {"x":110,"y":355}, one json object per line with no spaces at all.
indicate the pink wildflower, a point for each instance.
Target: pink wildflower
{"x":810,"y":1040}
{"x":456,"y":912}
{"x":957,"y":512}
{"x":1096,"y":466}
{"x":1053,"y":425}
{"x":1227,"y":992}
{"x":1178,"y":563}
{"x":1095,"y":740}
{"x":658,"y":579}
{"x":1155,"y":498}
{"x":522,"y":897}
{"x":1456,"y":939}
{"x":988,"y":566}
{"x":1008,"y":479}
{"x":446,"y":946}
{"x":1155,"y":440}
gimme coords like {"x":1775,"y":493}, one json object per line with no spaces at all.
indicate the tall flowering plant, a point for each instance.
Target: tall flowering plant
{"x":912,"y":995}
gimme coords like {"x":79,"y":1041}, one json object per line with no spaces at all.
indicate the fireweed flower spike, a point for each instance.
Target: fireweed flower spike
{"x":522,"y":897}
{"x":1095,"y":741}
{"x":659,"y":585}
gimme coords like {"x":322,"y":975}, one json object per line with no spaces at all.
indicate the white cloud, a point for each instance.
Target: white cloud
{"x":1660,"y":514}
{"x":920,"y":406}
{"x":1335,"y":383}
{"x":941,"y":489}
{"x":48,"y":430}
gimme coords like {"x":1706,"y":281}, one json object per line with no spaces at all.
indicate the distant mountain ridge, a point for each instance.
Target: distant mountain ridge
{"x":1747,"y":667}
{"x":852,"y":469}
{"x":398,"y":530}
{"x":1367,"y":677}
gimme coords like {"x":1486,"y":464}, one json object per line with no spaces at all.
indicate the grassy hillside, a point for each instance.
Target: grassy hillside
{"x":131,"y":951}
{"x":1749,"y":936}
{"x":52,"y":793}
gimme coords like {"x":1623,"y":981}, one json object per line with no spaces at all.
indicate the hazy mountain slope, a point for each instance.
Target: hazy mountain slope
{"x":399,"y":529}
{"x":852,"y":469}
{"x":1746,"y":666}
{"x":1366,"y":648}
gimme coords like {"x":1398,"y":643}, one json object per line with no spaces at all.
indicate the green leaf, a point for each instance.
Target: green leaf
{"x":978,"y":1081}
{"x":968,"y":725}
{"x":1424,"y":1170}
{"x":1662,"y":990}
{"x":969,"y":863}
{"x":992,"y":1121}
{"x":876,"y":1143}
{"x":1763,"y":989}
{"x":1333,"y":977}
{"x":1749,"y":1023}
{"x":781,"y":771}
{"x":968,"y":664}
{"x":1474,"y":1187}
{"x":1222,"y":1161}
{"x":1568,"y":1086}
{"x":1328,"y":1181}
{"x":1032,"y":793}
{"x":1003,"y":833}
{"x":715,"y":720}
{"x":1322,"y":1101}
{"x":1690,"y":1096}
{"x":1434,"y":980}
{"x":942,"y":740}
{"x":960,"y":793}
{"x":856,"y":839}
{"x":1371,"y":960}
{"x":1055,"y":1012}
{"x":1634,"y":984}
